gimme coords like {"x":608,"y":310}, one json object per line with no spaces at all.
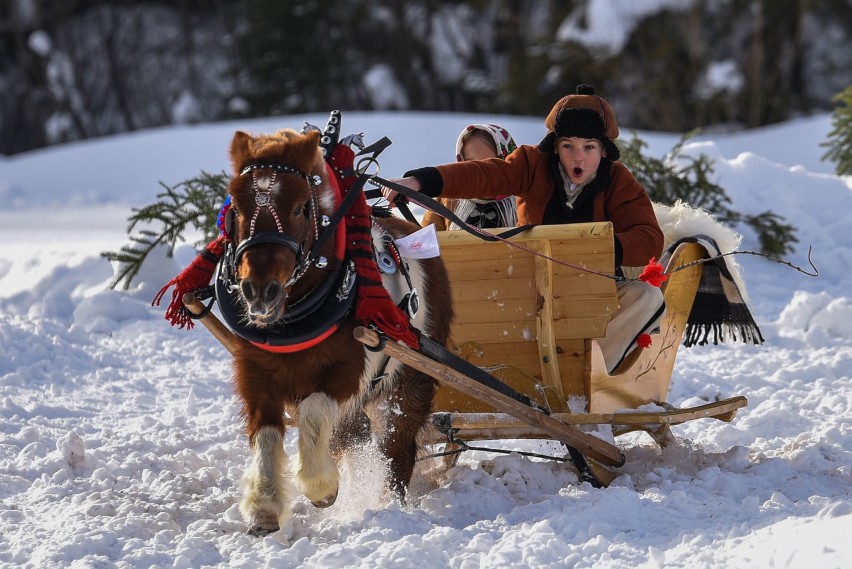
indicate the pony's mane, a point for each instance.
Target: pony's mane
{"x":286,"y":146}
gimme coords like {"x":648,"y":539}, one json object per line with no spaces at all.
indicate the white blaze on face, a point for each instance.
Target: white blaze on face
{"x":263,"y":183}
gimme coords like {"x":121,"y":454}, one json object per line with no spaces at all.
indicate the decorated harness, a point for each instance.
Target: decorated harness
{"x":353,"y":288}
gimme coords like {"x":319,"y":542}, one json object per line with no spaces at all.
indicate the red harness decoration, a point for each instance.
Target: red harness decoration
{"x":374,"y":305}
{"x":195,"y":276}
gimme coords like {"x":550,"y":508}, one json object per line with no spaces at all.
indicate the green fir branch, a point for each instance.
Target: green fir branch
{"x":688,"y":179}
{"x":839,"y":142}
{"x":192,"y":203}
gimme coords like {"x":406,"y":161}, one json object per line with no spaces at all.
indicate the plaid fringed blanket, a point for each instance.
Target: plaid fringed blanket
{"x":719,"y":312}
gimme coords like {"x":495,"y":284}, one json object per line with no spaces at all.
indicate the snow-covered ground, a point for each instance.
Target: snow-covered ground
{"x":120,"y":444}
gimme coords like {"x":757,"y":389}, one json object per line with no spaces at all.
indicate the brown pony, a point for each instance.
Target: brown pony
{"x":282,"y":198}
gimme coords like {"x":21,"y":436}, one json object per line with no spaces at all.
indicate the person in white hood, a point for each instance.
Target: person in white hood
{"x":479,"y":142}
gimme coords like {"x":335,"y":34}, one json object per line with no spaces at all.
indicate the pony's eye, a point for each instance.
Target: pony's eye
{"x":302,"y":209}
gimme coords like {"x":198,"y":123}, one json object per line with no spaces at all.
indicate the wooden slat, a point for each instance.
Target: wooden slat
{"x":548,"y":356}
{"x":518,"y":354}
{"x":576,"y":328}
{"x":496,"y":331}
{"x":572,"y":366}
{"x":583,"y":305}
{"x":496,"y":311}
{"x":492,"y":290}
{"x":476,"y":269}
{"x":501,"y":294}
{"x":572,"y":231}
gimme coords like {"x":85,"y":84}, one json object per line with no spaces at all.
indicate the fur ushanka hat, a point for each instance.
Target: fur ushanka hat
{"x":584,"y":115}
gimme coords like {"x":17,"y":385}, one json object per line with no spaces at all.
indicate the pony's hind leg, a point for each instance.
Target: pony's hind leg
{"x":353,"y":429}
{"x":410,"y":404}
{"x":317,"y":472}
{"x":265,"y":500}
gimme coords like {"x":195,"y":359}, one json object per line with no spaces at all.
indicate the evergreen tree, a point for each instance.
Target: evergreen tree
{"x":294,"y":56}
{"x":685,"y":178}
{"x":839,"y":140}
{"x":194,"y":202}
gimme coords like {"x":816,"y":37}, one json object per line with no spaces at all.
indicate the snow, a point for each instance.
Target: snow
{"x":384,"y":88}
{"x":721,"y":76}
{"x":120,"y":443}
{"x":607,"y":24}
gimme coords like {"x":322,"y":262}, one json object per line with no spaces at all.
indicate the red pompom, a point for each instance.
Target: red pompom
{"x":644,"y":340}
{"x":653,"y":274}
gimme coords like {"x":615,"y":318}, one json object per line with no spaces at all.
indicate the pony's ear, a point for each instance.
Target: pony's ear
{"x":240,"y":150}
{"x":313,"y":137}
{"x":305,"y":150}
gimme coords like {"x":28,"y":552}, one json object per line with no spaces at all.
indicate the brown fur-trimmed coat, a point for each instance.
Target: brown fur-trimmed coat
{"x":527,"y":173}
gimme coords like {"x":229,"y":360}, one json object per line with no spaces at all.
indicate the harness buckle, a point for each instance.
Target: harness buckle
{"x":410,"y":303}
{"x":346,"y":284}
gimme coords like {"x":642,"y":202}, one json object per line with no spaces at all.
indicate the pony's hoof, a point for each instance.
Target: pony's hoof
{"x":328,"y":501}
{"x":263,"y":523}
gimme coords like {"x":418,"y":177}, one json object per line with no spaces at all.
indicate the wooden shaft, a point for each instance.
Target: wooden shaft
{"x":591,"y":446}
{"x":231,"y":341}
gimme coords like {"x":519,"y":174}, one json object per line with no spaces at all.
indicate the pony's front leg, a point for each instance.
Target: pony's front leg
{"x":265,"y":502}
{"x":317,"y":472}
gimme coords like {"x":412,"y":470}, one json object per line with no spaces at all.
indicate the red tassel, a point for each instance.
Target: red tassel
{"x":653,"y":274}
{"x":195,"y":276}
{"x":376,"y":311}
{"x":644,"y":340}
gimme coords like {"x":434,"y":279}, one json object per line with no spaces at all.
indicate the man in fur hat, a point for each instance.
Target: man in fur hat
{"x":571,"y":176}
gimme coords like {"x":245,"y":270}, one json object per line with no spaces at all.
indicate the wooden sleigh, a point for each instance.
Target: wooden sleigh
{"x":532,"y":324}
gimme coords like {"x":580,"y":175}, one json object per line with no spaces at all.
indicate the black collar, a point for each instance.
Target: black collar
{"x":311,"y":317}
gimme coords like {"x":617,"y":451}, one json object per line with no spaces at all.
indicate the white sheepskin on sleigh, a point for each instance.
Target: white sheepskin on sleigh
{"x":681,"y":220}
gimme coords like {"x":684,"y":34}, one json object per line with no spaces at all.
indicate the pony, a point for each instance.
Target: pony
{"x":294,"y":305}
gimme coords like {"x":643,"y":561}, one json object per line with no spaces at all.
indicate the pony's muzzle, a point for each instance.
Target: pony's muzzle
{"x":262,"y":301}
{"x":265,"y":294}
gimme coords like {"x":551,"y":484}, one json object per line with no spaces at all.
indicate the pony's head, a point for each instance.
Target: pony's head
{"x":279,"y":193}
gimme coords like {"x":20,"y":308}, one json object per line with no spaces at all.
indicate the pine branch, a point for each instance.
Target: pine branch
{"x":194,"y":202}
{"x":687,"y":178}
{"x":839,"y":142}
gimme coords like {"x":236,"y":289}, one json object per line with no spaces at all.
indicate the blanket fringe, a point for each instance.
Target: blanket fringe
{"x":699,"y":334}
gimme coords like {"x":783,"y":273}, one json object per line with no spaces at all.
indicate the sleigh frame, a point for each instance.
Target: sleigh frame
{"x":532,"y":324}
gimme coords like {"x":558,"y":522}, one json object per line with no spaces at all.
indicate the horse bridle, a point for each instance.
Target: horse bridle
{"x":263,"y":200}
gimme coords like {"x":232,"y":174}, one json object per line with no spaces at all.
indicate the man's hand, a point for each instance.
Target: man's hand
{"x":409,"y":182}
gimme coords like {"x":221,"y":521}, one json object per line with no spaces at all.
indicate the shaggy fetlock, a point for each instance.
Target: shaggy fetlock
{"x":266,"y":503}
{"x":317,"y":473}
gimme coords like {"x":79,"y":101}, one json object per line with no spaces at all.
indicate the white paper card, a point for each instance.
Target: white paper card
{"x":422,"y":244}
